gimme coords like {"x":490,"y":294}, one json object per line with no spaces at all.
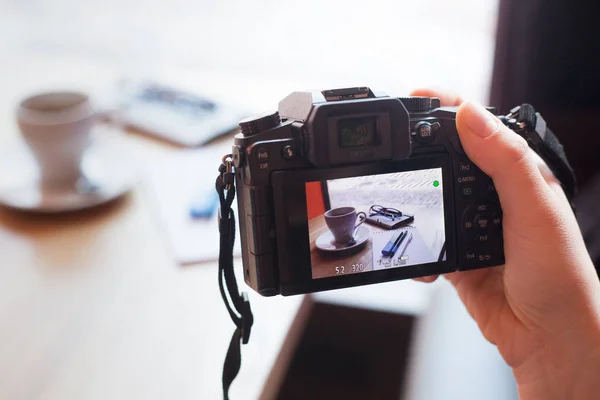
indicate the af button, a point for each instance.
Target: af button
{"x":424,"y":132}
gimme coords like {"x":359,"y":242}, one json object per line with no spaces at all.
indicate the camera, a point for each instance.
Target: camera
{"x":348,"y":187}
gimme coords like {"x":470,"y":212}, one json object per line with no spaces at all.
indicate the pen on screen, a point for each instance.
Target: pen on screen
{"x":390,"y":247}
{"x":397,"y":245}
{"x":410,"y":238}
{"x":387,"y":250}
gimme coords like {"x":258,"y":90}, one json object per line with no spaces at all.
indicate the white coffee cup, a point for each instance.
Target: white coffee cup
{"x":56,"y":127}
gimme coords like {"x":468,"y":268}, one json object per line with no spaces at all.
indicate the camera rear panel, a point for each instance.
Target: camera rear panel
{"x":347,"y":188}
{"x":479,"y":217}
{"x":309,"y":257}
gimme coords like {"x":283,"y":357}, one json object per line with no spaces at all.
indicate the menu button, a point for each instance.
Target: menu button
{"x":465,"y":179}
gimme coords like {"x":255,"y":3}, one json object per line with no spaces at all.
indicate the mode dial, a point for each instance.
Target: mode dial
{"x":259,"y":123}
{"x":416,"y":103}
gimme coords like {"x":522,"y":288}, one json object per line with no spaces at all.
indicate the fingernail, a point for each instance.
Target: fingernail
{"x":481,"y":121}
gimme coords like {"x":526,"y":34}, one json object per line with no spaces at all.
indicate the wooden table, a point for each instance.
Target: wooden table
{"x":92,"y":306}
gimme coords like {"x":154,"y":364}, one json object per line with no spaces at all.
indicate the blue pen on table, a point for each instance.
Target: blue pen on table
{"x":204,"y":205}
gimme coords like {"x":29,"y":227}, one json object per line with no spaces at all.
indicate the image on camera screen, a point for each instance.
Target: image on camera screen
{"x":375,"y":222}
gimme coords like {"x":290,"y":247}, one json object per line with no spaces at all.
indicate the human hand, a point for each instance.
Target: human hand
{"x":542,"y":308}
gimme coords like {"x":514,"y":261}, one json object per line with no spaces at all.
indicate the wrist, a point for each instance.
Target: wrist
{"x":554,"y":373}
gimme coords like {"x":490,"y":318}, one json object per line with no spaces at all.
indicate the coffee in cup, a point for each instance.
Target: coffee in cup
{"x":341,"y":222}
{"x":56,"y":127}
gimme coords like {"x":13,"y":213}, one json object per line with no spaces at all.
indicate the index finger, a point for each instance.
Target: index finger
{"x":447,"y":98}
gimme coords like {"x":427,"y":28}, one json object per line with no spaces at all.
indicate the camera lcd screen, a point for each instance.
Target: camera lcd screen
{"x":376,"y":222}
{"x":357,"y":132}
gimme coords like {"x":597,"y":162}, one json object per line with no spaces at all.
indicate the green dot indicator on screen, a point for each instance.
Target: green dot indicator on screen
{"x":436,"y":183}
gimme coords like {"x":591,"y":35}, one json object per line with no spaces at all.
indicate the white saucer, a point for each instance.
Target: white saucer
{"x":33,"y":199}
{"x":105,"y":180}
{"x":326,"y":242}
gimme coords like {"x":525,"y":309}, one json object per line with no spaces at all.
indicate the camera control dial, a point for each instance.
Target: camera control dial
{"x":416,"y":103}
{"x":259,"y":123}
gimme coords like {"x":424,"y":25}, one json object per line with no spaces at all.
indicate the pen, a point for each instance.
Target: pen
{"x":390,"y":245}
{"x":397,"y":245}
{"x":204,"y":205}
{"x":410,"y":238}
{"x":388,"y":250}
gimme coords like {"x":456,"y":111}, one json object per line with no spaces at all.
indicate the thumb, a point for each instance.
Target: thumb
{"x":506,"y":158}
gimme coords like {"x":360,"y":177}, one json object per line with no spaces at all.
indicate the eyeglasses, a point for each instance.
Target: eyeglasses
{"x":391,"y":213}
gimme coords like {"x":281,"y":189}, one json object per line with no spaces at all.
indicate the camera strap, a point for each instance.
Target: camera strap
{"x":531,"y":125}
{"x":239,"y":308}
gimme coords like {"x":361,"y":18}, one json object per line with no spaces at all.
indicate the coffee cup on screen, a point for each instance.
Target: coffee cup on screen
{"x":56,"y":127}
{"x":342,"y":223}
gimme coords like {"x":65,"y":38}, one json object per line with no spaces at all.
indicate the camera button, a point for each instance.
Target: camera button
{"x":473,"y":260}
{"x":423,"y":132}
{"x":466,"y":191}
{"x":489,"y":220}
{"x":468,"y":220}
{"x":466,"y":179}
{"x":480,"y":217}
{"x":468,"y":224}
{"x":288,"y":152}
{"x":482,"y":222}
{"x":482,"y":207}
{"x":465,"y":167}
{"x":262,"y":154}
{"x":481,"y":238}
{"x":485,"y":257}
{"x":497,"y":221}
{"x":435,"y":126}
{"x":470,"y":256}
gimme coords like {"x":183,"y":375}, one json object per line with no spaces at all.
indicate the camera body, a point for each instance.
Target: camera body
{"x":305,"y":175}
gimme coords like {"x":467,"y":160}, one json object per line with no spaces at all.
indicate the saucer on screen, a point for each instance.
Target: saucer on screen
{"x":326,"y":242}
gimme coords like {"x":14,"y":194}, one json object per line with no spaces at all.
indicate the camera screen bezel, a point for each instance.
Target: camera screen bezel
{"x":291,"y":224}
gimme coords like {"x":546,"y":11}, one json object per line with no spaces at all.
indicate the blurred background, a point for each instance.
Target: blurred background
{"x":121,"y":301}
{"x":256,"y":52}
